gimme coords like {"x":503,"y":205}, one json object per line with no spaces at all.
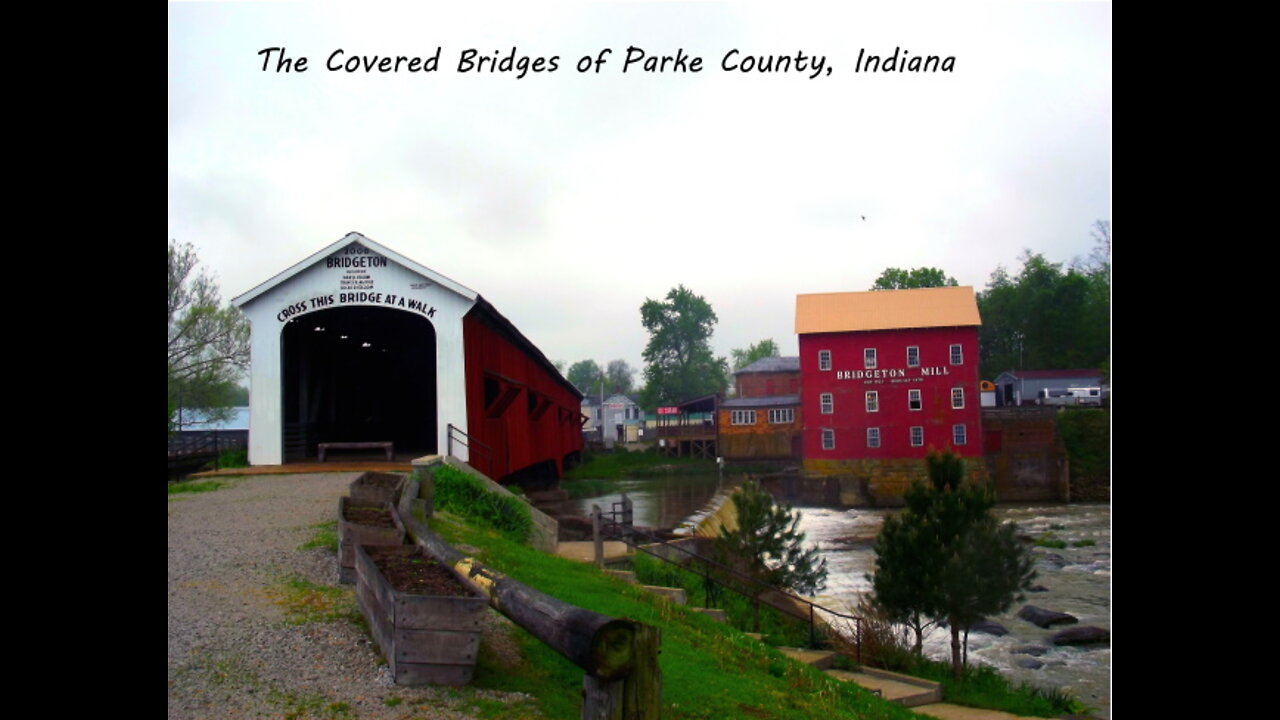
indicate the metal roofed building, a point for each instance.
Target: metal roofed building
{"x":1022,"y":387}
{"x":887,"y":376}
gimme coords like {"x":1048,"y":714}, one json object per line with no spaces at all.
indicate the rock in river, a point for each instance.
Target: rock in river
{"x":1045,"y":618}
{"x":989,"y":627}
{"x":1082,"y":635}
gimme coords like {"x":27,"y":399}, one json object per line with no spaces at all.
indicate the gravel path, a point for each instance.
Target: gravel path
{"x":236,"y":650}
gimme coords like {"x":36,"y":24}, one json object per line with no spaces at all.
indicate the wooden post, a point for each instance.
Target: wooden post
{"x":597,"y":541}
{"x":627,"y":517}
{"x":637,"y":696}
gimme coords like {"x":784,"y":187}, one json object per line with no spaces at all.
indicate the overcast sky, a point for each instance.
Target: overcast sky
{"x":568,"y":198}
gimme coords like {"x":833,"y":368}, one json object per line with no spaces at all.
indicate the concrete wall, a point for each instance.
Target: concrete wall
{"x":1025,"y":455}
{"x":877,"y":482}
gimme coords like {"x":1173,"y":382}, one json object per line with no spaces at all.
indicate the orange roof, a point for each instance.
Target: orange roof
{"x":886,"y":310}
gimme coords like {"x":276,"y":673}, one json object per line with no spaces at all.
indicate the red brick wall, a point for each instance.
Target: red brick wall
{"x":765,"y":384}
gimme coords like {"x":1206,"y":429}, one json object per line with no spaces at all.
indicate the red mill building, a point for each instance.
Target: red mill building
{"x":888,"y":375}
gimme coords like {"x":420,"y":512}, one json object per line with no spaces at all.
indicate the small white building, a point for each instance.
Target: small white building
{"x":620,"y":415}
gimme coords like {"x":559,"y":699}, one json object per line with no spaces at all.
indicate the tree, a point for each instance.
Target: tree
{"x":587,"y":376}
{"x":768,"y":539}
{"x":906,"y":573}
{"x":1045,"y":317}
{"x":208,"y":344}
{"x":680,"y":364}
{"x":945,"y":557}
{"x":618,"y":377}
{"x":763,"y":349}
{"x":924,"y":277}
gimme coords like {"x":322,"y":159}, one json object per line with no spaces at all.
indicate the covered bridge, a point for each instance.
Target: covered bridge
{"x":359,"y":344}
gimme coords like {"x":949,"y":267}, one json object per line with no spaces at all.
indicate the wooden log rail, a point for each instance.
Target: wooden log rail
{"x":619,"y":656}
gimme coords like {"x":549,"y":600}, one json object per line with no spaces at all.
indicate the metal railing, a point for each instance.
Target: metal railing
{"x":686,"y":431}
{"x":628,"y":532}
{"x":483,"y":460}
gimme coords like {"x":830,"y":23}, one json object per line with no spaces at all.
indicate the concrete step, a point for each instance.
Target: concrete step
{"x":626,"y":576}
{"x":675,"y":595}
{"x":714,"y":613}
{"x":584,"y":551}
{"x":947,"y":711}
{"x":821,"y":659}
{"x":903,"y":689}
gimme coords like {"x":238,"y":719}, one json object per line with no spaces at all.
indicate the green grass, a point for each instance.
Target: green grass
{"x":1087,"y":542}
{"x":230,"y":459}
{"x":193,"y":486}
{"x":296,"y":706}
{"x":306,"y":602}
{"x":1047,"y":540}
{"x":623,"y":464}
{"x":982,"y":686}
{"x":465,"y":495}
{"x":709,"y":670}
{"x":778,"y":629}
{"x":325,"y":537}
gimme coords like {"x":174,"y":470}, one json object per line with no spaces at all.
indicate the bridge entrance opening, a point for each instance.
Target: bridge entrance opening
{"x":359,"y":375}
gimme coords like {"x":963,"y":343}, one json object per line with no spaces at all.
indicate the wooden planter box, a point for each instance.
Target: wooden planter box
{"x":351,"y":534}
{"x":425,"y":638}
{"x":375,"y":488}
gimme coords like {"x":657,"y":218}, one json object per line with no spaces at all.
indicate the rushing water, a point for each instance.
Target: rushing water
{"x":664,"y":502}
{"x":1077,"y":582}
{"x":1077,"y":579}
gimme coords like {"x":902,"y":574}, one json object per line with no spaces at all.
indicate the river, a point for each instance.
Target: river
{"x":1076,"y":578}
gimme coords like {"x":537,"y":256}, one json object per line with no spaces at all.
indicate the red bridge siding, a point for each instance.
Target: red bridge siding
{"x":493,"y":348}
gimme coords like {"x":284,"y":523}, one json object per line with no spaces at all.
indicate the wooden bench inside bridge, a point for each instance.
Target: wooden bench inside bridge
{"x":386,"y":446}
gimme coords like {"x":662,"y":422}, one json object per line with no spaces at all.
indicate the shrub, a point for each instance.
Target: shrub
{"x":768,"y":539}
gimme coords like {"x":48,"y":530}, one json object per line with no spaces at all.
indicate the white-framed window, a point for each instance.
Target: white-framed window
{"x":869,"y":358}
{"x":917,"y":436}
{"x":913,"y":356}
{"x":743,"y":417}
{"x":782,"y":415}
{"x":957,"y":398}
{"x":957,"y":355}
{"x":913,"y":400}
{"x":959,"y":435}
{"x":873,"y":437}
{"x":828,"y":439}
{"x":873,"y":401}
{"x":827,"y":402}
{"x":824,"y":359}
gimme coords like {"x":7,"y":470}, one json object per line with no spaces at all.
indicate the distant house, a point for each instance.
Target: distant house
{"x":764,"y":420}
{"x":620,"y":415}
{"x":1023,"y":387}
{"x":769,"y":376}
